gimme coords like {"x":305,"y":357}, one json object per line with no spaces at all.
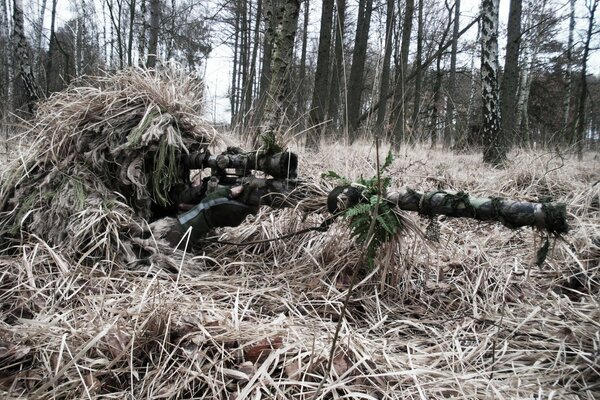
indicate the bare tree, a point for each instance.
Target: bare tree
{"x":510,"y":80}
{"x":398,"y":121}
{"x":418,"y":69}
{"x":356,"y":79}
{"x":301,"y":95}
{"x":320,"y":91}
{"x":452,"y":94}
{"x":337,"y":72}
{"x":494,"y":148}
{"x":592,"y":6}
{"x":569,"y":70}
{"x":387,"y":56}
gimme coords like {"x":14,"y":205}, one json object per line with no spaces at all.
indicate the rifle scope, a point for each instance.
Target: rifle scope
{"x":281,"y":165}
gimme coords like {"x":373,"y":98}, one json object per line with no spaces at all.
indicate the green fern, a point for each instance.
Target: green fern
{"x":387,"y":224}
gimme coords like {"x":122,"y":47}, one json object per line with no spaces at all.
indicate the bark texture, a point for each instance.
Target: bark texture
{"x":356,"y":80}
{"x":510,"y":80}
{"x":22,"y":57}
{"x":494,"y":150}
{"x":281,"y":35}
{"x":401,"y":78}
{"x":320,"y":94}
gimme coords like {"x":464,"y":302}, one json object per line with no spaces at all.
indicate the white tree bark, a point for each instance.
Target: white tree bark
{"x":494,"y":151}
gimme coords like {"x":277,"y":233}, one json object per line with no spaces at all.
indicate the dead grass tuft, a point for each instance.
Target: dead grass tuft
{"x":468,"y":317}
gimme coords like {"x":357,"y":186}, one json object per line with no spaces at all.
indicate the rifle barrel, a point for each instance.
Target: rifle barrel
{"x":511,"y":213}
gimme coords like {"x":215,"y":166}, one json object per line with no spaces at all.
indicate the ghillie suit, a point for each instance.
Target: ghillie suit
{"x":103,"y":157}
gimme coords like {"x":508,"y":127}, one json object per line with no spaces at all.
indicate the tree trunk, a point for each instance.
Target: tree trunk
{"x":142,"y":33}
{"x":301,"y":96}
{"x":467,"y":137}
{"x":437,"y":86}
{"x":252,"y":77}
{"x":418,"y":70}
{"x":337,"y":74}
{"x":233,"y":95}
{"x":385,"y":68}
{"x":569,"y":73}
{"x":22,"y":57}
{"x":412,"y":75}
{"x":245,"y":51}
{"x":398,"y":121}
{"x":130,"y":38}
{"x":581,"y":136}
{"x":115,"y":18}
{"x":494,"y":148}
{"x":535,"y":28}
{"x":356,"y":80}
{"x":452,"y":94}
{"x":154,"y":32}
{"x":5,"y":76}
{"x":320,"y":95}
{"x":282,"y":31}
{"x":40,"y":36}
{"x":510,"y":80}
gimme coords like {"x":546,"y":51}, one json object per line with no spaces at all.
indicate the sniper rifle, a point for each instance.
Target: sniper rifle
{"x":235,"y":167}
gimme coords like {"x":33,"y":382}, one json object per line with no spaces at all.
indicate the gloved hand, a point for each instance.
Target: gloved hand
{"x":218,"y":209}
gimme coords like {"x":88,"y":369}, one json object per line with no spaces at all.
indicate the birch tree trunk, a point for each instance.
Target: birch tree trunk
{"x":22,"y":57}
{"x":494,"y":148}
{"x":535,"y":28}
{"x":281,"y":36}
{"x":40,"y":35}
{"x":5,"y":77}
{"x":142,"y":33}
{"x":154,"y":32}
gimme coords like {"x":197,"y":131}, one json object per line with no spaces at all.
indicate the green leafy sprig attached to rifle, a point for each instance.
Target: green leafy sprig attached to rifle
{"x":373,"y":220}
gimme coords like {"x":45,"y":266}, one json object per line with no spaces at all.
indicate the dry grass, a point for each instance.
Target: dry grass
{"x":468,"y":317}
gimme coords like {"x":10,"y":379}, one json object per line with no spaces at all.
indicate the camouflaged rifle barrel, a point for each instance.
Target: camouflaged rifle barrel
{"x":511,"y":213}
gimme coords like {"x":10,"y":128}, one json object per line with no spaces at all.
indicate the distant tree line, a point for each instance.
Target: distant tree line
{"x":409,"y":70}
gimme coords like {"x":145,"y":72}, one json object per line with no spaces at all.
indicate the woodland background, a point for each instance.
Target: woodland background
{"x":411,"y":71}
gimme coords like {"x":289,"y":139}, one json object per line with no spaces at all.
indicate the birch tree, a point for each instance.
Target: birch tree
{"x":283,"y":23}
{"x":23,"y":64}
{"x":494,"y":147}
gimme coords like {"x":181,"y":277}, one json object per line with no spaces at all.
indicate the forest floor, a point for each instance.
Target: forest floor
{"x":469,"y":316}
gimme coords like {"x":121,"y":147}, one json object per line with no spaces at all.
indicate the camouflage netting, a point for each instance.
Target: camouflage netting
{"x":101,"y":154}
